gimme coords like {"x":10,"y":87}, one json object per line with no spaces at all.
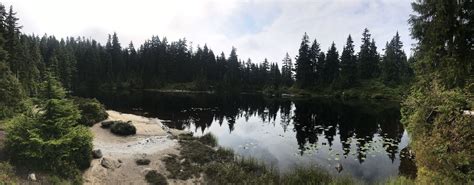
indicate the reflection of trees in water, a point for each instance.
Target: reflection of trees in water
{"x":311,"y":118}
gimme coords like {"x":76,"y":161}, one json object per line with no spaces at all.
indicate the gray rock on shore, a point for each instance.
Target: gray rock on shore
{"x":97,"y":154}
{"x":110,"y":163}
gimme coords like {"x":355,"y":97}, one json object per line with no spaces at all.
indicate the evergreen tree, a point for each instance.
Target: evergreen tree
{"x":287,"y":71}
{"x":433,"y":113}
{"x":367,"y":57}
{"x":394,"y":62}
{"x":11,"y":93}
{"x":348,"y":64}
{"x":316,"y":63}
{"x":303,"y":67}
{"x":232,"y":76}
{"x":331,"y":66}
{"x":275,"y":76}
{"x":51,"y":139}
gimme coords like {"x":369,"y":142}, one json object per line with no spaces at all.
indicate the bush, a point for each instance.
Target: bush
{"x":155,"y":178}
{"x":107,"y":124}
{"x":50,"y":139}
{"x":208,"y":139}
{"x":142,"y":161}
{"x":441,"y":135}
{"x":92,"y":111}
{"x":7,"y":174}
{"x":123,"y":128}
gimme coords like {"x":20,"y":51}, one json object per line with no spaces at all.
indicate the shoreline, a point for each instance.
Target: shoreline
{"x":153,"y":141}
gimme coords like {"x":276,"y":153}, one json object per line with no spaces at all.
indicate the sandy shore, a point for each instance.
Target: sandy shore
{"x":152,"y":141}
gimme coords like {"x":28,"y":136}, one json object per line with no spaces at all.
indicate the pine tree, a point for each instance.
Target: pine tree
{"x":303,"y":67}
{"x":394,"y":62}
{"x":316,"y":63}
{"x":12,"y":44}
{"x":367,"y":57}
{"x":287,"y":71}
{"x":51,"y":139}
{"x":331,"y":67}
{"x":11,"y":93}
{"x":348,"y":64}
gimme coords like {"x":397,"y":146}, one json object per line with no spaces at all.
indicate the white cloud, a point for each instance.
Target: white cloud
{"x":258,"y":29}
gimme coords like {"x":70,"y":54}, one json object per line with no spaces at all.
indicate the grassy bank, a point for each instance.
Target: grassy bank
{"x":202,"y":158}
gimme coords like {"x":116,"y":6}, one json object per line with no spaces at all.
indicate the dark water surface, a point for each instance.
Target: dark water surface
{"x":365,"y":138}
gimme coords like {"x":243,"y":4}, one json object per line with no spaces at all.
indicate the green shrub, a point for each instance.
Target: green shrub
{"x":208,"y":139}
{"x":11,"y":93}
{"x":92,"y":111}
{"x":50,"y":139}
{"x":7,"y":174}
{"x":123,"y":128}
{"x":107,"y":124}
{"x":142,"y":161}
{"x":441,"y":135}
{"x":155,"y":178}
{"x":400,"y":180}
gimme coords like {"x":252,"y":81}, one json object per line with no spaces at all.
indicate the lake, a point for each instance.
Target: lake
{"x":366,"y":138}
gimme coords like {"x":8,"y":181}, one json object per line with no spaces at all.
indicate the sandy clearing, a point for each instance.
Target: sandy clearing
{"x":152,"y":141}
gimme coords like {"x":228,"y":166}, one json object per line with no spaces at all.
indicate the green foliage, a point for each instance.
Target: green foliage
{"x":208,"y":139}
{"x":348,"y":64}
{"x":368,"y":58}
{"x":155,"y":178}
{"x":123,"y":128}
{"x":313,"y":175}
{"x":444,"y":33}
{"x":330,"y":72}
{"x":245,"y":171}
{"x":395,"y":68}
{"x":7,"y":174}
{"x":50,"y":139}
{"x":303,"y":66}
{"x":433,"y":113}
{"x":440,"y":134}
{"x":287,"y":71}
{"x":92,"y":111}
{"x":401,"y":180}
{"x":11,"y":93}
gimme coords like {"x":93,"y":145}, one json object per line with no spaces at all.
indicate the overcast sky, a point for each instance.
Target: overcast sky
{"x":258,"y":29}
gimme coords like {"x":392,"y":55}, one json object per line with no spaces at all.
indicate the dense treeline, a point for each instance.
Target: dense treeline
{"x":84,"y":65}
{"x":315,"y":69}
{"x":46,"y":128}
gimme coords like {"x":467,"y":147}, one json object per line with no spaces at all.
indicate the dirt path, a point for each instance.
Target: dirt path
{"x":152,"y":141}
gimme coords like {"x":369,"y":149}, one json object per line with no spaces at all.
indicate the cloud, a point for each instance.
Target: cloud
{"x":258,"y":29}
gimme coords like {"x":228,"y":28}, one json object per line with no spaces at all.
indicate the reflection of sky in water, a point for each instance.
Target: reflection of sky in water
{"x":287,"y":132}
{"x":269,"y":142}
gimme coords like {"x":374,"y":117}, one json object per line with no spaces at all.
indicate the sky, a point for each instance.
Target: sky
{"x":257,"y":28}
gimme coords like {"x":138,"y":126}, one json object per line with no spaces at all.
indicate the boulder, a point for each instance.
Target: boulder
{"x":339,"y":167}
{"x":97,"y":154}
{"x":32,"y":177}
{"x":110,"y":163}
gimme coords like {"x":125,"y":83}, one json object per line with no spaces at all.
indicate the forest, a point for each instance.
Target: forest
{"x":47,"y":125}
{"x":84,"y":65}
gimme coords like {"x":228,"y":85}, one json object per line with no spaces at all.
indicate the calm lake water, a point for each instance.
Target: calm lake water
{"x":365,"y":138}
